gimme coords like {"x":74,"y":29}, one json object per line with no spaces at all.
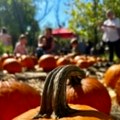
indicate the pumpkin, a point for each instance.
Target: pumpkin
{"x":4,"y":57}
{"x":82,"y":63}
{"x":47,"y":62}
{"x":112,"y":75}
{"x":55,"y":106}
{"x":89,"y":91}
{"x":62,"y":61}
{"x":35,"y":60}
{"x":16,"y":98}
{"x":27,"y":62}
{"x":117,"y":91}
{"x":11,"y":65}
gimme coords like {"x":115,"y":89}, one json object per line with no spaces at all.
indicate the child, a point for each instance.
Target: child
{"x":20,"y":47}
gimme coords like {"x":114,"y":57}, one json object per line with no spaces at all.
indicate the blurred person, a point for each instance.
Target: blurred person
{"x":46,"y":43}
{"x":111,"y":36}
{"x":20,"y":47}
{"x":40,"y":48}
{"x":75,"y":48}
{"x":6,"y":39}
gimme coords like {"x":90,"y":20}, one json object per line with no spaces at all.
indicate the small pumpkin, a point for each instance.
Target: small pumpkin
{"x":112,"y":75}
{"x":82,"y":63}
{"x":11,"y":65}
{"x":55,"y":106}
{"x":27,"y":62}
{"x":89,"y":91}
{"x":62,"y":61}
{"x":47,"y":62}
{"x":4,"y":57}
{"x":16,"y":98}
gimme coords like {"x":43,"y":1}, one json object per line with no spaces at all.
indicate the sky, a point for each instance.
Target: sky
{"x":50,"y":19}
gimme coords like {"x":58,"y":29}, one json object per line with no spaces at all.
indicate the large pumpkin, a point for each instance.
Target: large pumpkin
{"x":11,"y":65}
{"x":89,"y":91}
{"x":87,"y":113}
{"x":16,"y":98}
{"x":112,"y":75}
{"x":55,"y":106}
{"x":47,"y":62}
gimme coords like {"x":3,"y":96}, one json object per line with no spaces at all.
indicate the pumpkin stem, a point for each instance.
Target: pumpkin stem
{"x":54,"y":94}
{"x":75,"y":80}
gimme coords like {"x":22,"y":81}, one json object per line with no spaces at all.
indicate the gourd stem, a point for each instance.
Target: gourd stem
{"x":54,"y":94}
{"x":46,"y":102}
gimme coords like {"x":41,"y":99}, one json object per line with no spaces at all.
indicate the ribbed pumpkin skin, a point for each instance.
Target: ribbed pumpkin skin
{"x":112,"y":75}
{"x":47,"y":62}
{"x":87,"y":113}
{"x":11,"y":65}
{"x":16,"y":98}
{"x":91,"y":92}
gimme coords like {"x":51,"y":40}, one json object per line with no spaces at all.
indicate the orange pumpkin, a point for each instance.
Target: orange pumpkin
{"x":27,"y":62}
{"x":82,"y":63}
{"x":62,"y":61}
{"x":35,"y":60}
{"x":47,"y":62}
{"x":4,"y":57}
{"x":79,"y":57}
{"x":11,"y":65}
{"x":112,"y":75}
{"x":89,"y":91}
{"x":16,"y":98}
{"x":55,"y":106}
{"x":87,"y":113}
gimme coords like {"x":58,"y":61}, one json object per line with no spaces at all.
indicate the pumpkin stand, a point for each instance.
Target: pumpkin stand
{"x":55,"y":106}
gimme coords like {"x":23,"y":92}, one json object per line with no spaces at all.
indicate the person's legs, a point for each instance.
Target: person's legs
{"x":117,"y":48}
{"x":39,"y":52}
{"x":111,"y":50}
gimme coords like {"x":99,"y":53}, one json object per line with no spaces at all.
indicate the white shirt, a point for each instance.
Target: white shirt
{"x":111,"y":34}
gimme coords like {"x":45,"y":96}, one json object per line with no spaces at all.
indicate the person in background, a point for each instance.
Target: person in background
{"x":40,"y":49}
{"x":6,"y":39}
{"x":110,"y":34}
{"x":46,"y":43}
{"x":75,"y":49}
{"x":20,"y":47}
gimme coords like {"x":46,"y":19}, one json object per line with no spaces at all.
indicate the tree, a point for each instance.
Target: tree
{"x":18,"y":16}
{"x":86,"y":17}
{"x":113,"y":5}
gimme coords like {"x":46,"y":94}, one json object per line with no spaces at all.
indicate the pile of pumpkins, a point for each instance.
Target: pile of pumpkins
{"x":14,"y":64}
{"x":47,"y":62}
{"x":84,"y":93}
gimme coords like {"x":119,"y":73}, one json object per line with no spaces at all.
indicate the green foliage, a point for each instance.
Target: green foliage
{"x":5,"y":49}
{"x":113,"y":5}
{"x":86,"y":19}
{"x":17,"y":16}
